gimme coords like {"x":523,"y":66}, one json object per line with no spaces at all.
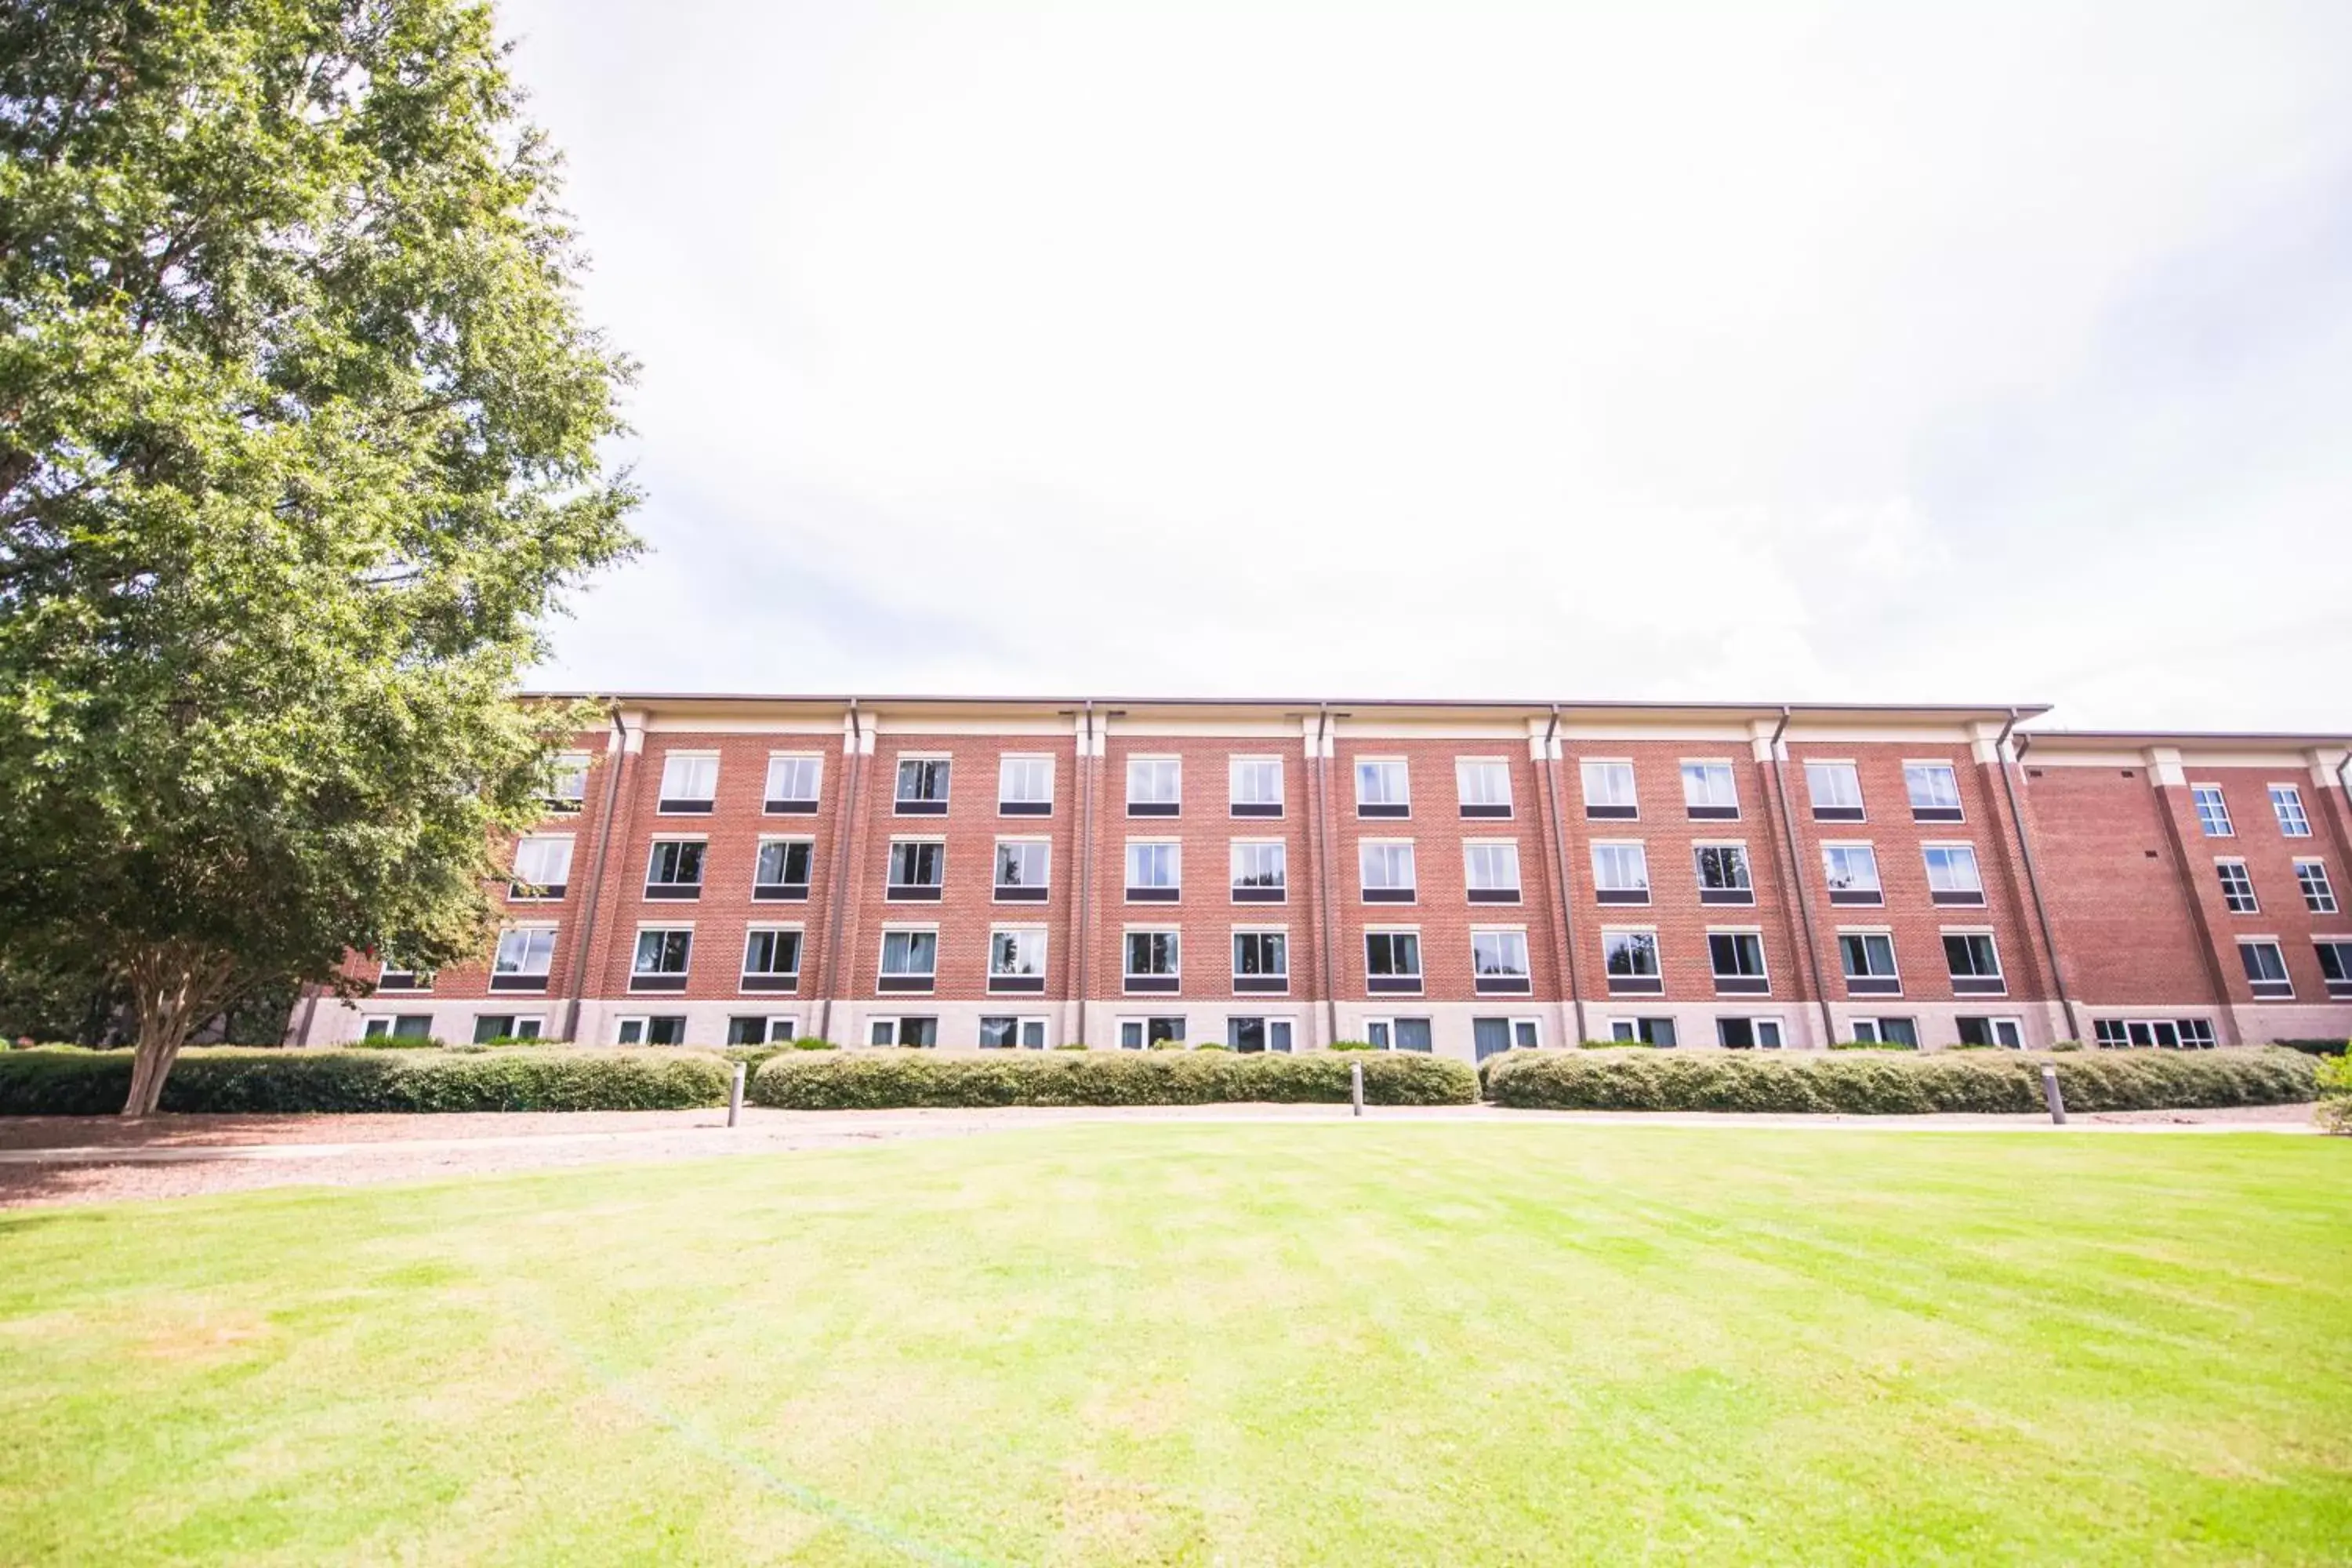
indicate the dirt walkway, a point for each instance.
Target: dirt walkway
{"x":74,"y":1160}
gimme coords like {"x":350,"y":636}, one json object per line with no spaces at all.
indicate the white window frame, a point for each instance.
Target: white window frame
{"x":1604,"y":771}
{"x":996,"y":882}
{"x":1974,"y":933}
{"x":1174,"y":767}
{"x":1175,"y":934}
{"x":1174,"y":857}
{"x":1025,"y":936}
{"x":793,"y":928}
{"x":1022,"y":1024}
{"x":1386,"y":850}
{"x":1507,"y":935}
{"x":390,"y":1023}
{"x":895,"y":1025}
{"x":569,"y":767}
{"x":1419,"y":973}
{"x":1927,"y":857}
{"x":2318,"y":886}
{"x":685,"y":798}
{"x":660,"y":928}
{"x":1236,"y":769}
{"x":1830,"y":768}
{"x":898,"y":765}
{"x":1704,"y":770}
{"x":2237,"y":886}
{"x":2286,"y":976}
{"x":777,"y":1029}
{"x":1041,"y":761}
{"x":882,"y":953}
{"x":758,"y":852}
{"x":1141,"y":1024}
{"x":1752,"y":933}
{"x":1883,"y":933}
{"x":1747,"y":865}
{"x":654,"y":846}
{"x":1235,"y":871}
{"x":913,"y":841}
{"x":1380,"y":767}
{"x":795,"y":761}
{"x":1996,"y":1025}
{"x":1876,"y":884}
{"x":1380,"y":1034}
{"x":554,"y":887}
{"x":2286,"y":805}
{"x":1873,"y":1030}
{"x":1472,"y":850}
{"x":1240,"y":933}
{"x":1931,"y":765}
{"x":2215,"y":823}
{"x":1610,"y":935}
{"x":519,"y":1025}
{"x":1466,"y":768}
{"x":1612,"y":848}
{"x":527,"y":929}
{"x":1270,"y":1023}
{"x":645,"y":1027}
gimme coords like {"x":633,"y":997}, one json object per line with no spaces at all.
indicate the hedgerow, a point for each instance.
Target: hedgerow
{"x":1902,"y":1083}
{"x":94,"y":1083}
{"x":890,"y":1080}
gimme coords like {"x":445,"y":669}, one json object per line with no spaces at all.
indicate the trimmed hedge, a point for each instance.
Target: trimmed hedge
{"x":94,"y":1083}
{"x":1894,"y":1084}
{"x":897,"y":1080}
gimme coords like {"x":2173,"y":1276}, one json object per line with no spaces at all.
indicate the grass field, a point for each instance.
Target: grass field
{"x":1345,"y":1344}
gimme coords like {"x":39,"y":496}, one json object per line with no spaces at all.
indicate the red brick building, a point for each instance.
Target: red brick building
{"x":1453,"y":876}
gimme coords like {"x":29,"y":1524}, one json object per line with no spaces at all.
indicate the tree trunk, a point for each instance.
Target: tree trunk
{"x":161,"y":994}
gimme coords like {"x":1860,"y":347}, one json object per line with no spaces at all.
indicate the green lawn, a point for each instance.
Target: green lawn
{"x":1343,"y":1343}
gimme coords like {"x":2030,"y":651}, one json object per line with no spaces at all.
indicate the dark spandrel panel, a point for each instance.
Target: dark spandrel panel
{"x":1837,"y":814}
{"x":1936,"y":814}
{"x":1487,"y":812}
{"x":1257,"y":808}
{"x":1493,"y":895}
{"x":1392,"y":985}
{"x":686,"y":808}
{"x":1873,"y":985}
{"x":1622,"y":895}
{"x":1015,"y":985}
{"x":919,"y":807}
{"x":1005,"y":895}
{"x":1153,"y":894}
{"x":901,"y":983}
{"x":1636,"y":985}
{"x":781,"y":892}
{"x":790,"y":808}
{"x":1742,"y":986}
{"x":914,"y":893}
{"x":519,"y":982}
{"x":1963,"y":899}
{"x":1714,"y":812}
{"x":1261,"y":984}
{"x":786,"y":982}
{"x":1388,"y":895}
{"x":1152,"y":984}
{"x":1259,"y":895}
{"x":1613,"y":813}
{"x":1153,"y":807}
{"x":1727,"y":895}
{"x":656,"y":982}
{"x":1503,"y":986}
{"x":1980,"y":985}
{"x":1860,"y":896}
{"x":1390,"y":810}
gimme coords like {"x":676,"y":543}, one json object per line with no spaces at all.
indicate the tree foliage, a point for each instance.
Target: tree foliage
{"x":301,"y":441}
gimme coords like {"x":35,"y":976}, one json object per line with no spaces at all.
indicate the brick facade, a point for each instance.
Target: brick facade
{"x":2103,"y":856}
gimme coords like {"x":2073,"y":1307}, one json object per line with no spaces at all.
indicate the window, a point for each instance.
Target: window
{"x":1010,"y":1034}
{"x":782,"y":870}
{"x":1621,"y":873}
{"x":2005,"y":1032}
{"x":1609,"y":791}
{"x":918,"y":870}
{"x":920,"y":1032}
{"x":1392,"y":961}
{"x":1024,"y":786}
{"x":1016,"y":959}
{"x":1738,"y":957}
{"x":922,"y":787}
{"x":2167,"y":1034}
{"x":1850,"y":872}
{"x":1723,"y":874}
{"x":673,"y":868}
{"x":1251,"y":1036}
{"x":567,"y":781}
{"x":1648,"y":1031}
{"x":1493,"y":1037}
{"x":1934,"y":792}
{"x":669,"y":1031}
{"x":689,"y":783}
{"x":2237,"y":888}
{"x":1630,"y":958}
{"x":405,"y":1026}
{"x":1142,"y":1034}
{"x":2212,"y":811}
{"x":1154,"y":786}
{"x":793,"y":783}
{"x":490,"y":1027}
{"x":661,"y":958}
{"x":1491,"y":872}
{"x":1868,"y":957}
{"x":758,"y":1030}
{"x":1498,"y":962}
{"x":1748,"y":1034}
{"x":1836,"y":791}
{"x":1974,"y":963}
{"x":1710,"y":794}
{"x":1153,"y":960}
{"x":1904,"y":1032}
{"x":1258,"y":869}
{"x":1382,"y":788}
{"x":2265,"y":968}
{"x":1153,"y":871}
{"x":1483,"y":785}
{"x":523,"y":956}
{"x":1952,"y":874}
{"x":910,"y":960}
{"x":394,"y":975}
{"x":1261,"y":960}
{"x":2286,"y":805}
{"x":1024,"y":866}
{"x":1388,"y":872}
{"x":1398,"y":1034}
{"x":1255,"y":786}
{"x":772,"y":959}
{"x":2336,"y":963}
{"x":2318,"y":892}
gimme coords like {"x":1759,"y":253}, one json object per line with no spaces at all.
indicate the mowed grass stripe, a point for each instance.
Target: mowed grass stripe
{"x":1352,"y":1343}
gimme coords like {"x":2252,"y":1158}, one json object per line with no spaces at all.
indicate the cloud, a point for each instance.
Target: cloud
{"x":1477,"y":350}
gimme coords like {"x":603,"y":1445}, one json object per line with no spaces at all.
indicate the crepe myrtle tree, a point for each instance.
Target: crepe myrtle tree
{"x":302,"y":440}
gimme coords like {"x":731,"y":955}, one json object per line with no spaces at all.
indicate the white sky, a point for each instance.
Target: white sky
{"x":1982,"y":352}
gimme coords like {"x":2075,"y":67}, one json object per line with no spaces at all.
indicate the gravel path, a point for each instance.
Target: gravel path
{"x":78,"y":1160}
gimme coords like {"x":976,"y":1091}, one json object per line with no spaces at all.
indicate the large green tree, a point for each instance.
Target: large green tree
{"x":301,"y":440}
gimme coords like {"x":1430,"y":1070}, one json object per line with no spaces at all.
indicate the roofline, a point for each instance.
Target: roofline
{"x":1986,"y":710}
{"x":2142,"y":738}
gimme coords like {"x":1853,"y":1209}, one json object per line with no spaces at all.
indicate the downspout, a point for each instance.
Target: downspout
{"x":1082,"y":936}
{"x":1322,"y":778}
{"x":1559,"y":878}
{"x":620,"y":756}
{"x":2033,"y":878}
{"x":1797,"y":877}
{"x":853,"y":789}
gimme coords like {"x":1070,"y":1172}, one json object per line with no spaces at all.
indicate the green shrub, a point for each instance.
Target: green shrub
{"x":812,"y":1043}
{"x":1870,"y":1045}
{"x":2314,"y":1047}
{"x":2334,"y":1077}
{"x":94,"y":1083}
{"x":890,"y":1080}
{"x":1071,"y":1046}
{"x":399,"y":1043}
{"x":1895,"y":1083}
{"x":1616,"y":1045}
{"x":1167,"y":1045}
{"x":1212,"y":1046}
{"x":1352,"y":1046}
